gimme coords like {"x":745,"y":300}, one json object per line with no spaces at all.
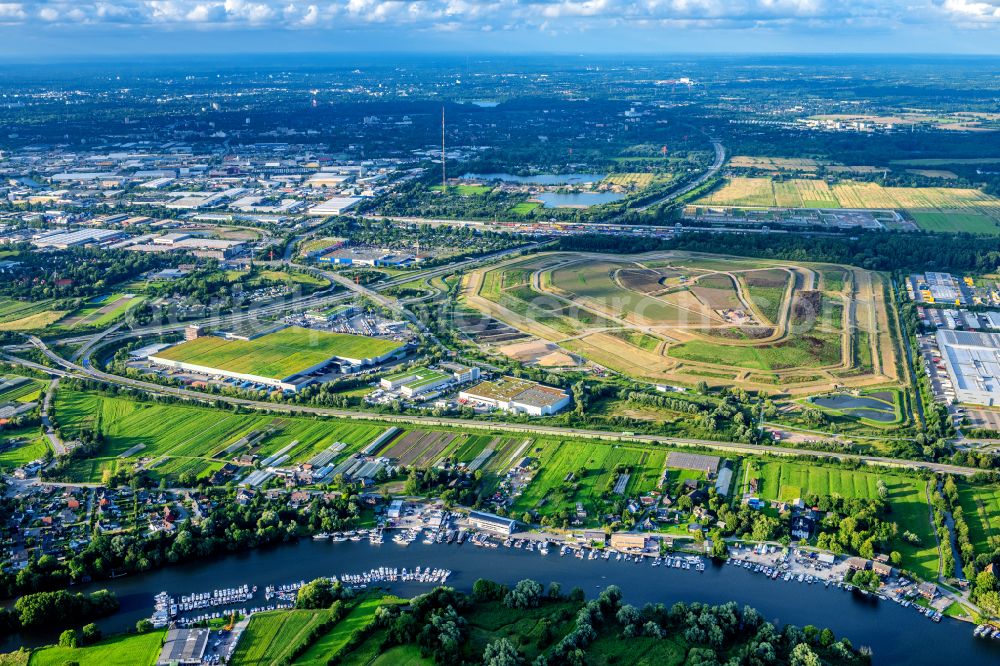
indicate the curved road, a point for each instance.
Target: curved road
{"x":720,"y":157}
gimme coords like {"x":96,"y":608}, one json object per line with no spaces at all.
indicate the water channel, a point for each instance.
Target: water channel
{"x":539,"y":179}
{"x":895,"y":634}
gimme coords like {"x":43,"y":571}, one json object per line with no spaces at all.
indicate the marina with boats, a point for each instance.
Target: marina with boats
{"x":184,"y":610}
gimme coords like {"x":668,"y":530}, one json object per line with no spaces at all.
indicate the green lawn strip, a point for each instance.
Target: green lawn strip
{"x":33,"y":449}
{"x":981,"y":507}
{"x":330,"y":644}
{"x":270,"y":636}
{"x":123,"y":650}
{"x":806,"y":350}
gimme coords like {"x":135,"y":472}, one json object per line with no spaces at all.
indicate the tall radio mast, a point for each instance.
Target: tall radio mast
{"x":444,"y":180}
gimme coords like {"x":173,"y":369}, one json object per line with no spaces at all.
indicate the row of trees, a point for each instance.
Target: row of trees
{"x":57,"y":609}
{"x":882,"y":251}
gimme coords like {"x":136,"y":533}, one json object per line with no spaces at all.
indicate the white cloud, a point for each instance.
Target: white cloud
{"x":12,"y":11}
{"x":511,"y":15}
{"x":965,"y":10}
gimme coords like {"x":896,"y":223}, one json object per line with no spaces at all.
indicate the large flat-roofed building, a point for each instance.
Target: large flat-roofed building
{"x":461,"y":373}
{"x":492,"y":523}
{"x":334,"y":206}
{"x":327,"y":179}
{"x":972,"y":361}
{"x":209,"y":248}
{"x":350,"y":256}
{"x":694,"y":461}
{"x":628,"y":542}
{"x":415,"y":382}
{"x":519,"y":396}
{"x":282,"y":359}
{"x":184,"y":647}
{"x":66,"y":239}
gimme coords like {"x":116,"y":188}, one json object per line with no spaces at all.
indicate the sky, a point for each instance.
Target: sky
{"x":50,"y":29}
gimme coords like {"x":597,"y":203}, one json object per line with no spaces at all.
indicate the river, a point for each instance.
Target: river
{"x":895,"y":634}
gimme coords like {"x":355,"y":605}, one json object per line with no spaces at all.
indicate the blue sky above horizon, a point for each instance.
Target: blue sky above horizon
{"x":50,"y":28}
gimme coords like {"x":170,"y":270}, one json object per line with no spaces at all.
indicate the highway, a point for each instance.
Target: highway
{"x":87,"y":371}
{"x":720,"y":157}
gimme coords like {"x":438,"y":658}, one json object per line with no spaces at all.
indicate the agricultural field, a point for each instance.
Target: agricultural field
{"x":592,"y":468}
{"x":786,"y":481}
{"x":525,"y":207}
{"x":124,"y":650}
{"x":101,"y":311}
{"x":741,"y":191}
{"x":331,"y":643}
{"x":932,"y":208}
{"x":28,"y":391}
{"x":277,"y":355}
{"x":23,"y":316}
{"x":431,"y":448}
{"x":774,"y":163}
{"x":174,"y":439}
{"x":687,"y":318}
{"x":631,"y":181}
{"x":465,"y":190}
{"x":33,"y":445}
{"x":97,"y":312}
{"x":270,"y":637}
{"x":981,"y":506}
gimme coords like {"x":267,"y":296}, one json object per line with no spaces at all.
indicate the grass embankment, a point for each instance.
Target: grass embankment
{"x":333,"y":642}
{"x":270,"y":637}
{"x":123,"y":650}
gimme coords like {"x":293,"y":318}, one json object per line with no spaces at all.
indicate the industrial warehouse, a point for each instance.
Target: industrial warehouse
{"x":518,"y":396}
{"x":282,"y":359}
{"x":972,"y":361}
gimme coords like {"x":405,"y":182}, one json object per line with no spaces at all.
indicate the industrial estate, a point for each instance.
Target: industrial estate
{"x":375,"y":365}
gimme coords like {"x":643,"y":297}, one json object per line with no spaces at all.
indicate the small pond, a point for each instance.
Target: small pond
{"x":875,"y":407}
{"x":577,"y":199}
